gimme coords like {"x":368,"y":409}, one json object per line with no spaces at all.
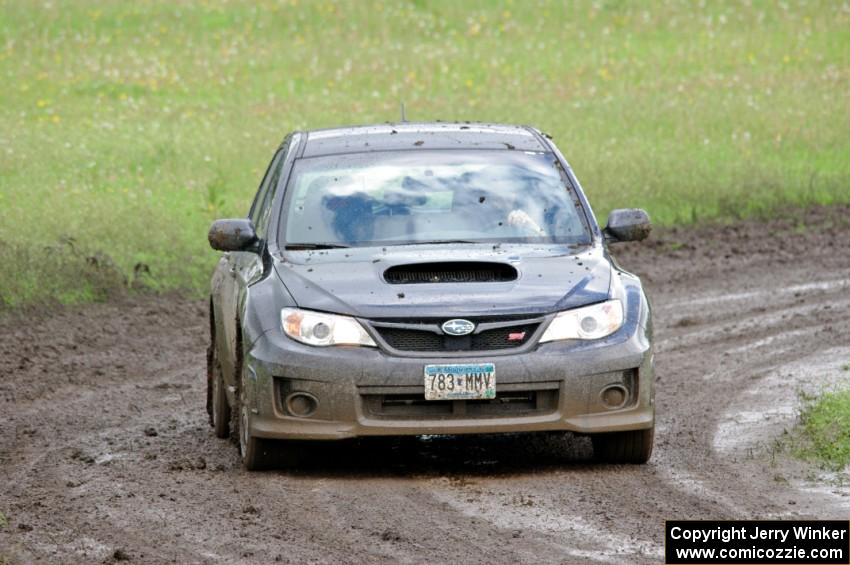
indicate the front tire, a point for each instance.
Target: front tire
{"x":631,"y":447}
{"x":261,"y":453}
{"x":256,"y":453}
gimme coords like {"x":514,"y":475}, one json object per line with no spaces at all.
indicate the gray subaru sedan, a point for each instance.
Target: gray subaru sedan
{"x":426,"y":278}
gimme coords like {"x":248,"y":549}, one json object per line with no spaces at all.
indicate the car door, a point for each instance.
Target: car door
{"x":239,"y":269}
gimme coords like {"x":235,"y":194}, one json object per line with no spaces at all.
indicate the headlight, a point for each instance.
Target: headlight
{"x":590,"y":322}
{"x":315,"y":328}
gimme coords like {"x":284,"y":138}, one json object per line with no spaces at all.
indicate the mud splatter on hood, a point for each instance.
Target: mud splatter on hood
{"x":351,"y":281}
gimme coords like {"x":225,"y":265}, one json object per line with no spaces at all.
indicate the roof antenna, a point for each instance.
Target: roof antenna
{"x":403,"y":117}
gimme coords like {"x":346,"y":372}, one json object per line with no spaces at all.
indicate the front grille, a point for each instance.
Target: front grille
{"x":412,"y":340}
{"x":402,"y":406}
{"x":406,"y":339}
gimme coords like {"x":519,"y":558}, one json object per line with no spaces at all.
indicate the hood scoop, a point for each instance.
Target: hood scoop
{"x":450,"y":272}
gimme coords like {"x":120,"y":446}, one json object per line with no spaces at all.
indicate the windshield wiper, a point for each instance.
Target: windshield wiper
{"x":306,"y":246}
{"x":436,"y":241}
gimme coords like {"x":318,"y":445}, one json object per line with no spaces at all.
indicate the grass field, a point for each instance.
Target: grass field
{"x":824,"y":432}
{"x":126,"y":127}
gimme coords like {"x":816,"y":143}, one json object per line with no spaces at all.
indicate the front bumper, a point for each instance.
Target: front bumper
{"x":365,"y":392}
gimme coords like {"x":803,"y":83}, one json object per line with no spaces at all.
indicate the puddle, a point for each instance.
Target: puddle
{"x":505,"y":512}
{"x":771,"y":405}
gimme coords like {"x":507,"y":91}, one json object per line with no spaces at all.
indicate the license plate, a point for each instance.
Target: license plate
{"x":460,"y":382}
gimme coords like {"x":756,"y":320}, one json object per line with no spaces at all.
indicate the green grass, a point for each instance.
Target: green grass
{"x":126,"y":127}
{"x":825,"y":430}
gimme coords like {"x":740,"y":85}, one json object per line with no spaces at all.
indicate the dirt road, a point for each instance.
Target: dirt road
{"x":106,"y":455}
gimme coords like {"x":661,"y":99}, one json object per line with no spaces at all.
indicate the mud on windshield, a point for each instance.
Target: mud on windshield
{"x":410,"y":197}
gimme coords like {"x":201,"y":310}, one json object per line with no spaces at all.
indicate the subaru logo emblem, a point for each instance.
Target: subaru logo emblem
{"x":458,"y":327}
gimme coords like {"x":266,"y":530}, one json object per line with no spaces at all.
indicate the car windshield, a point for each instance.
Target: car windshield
{"x":410,"y":197}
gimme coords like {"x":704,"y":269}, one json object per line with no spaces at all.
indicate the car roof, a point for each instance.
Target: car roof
{"x":424,"y":135}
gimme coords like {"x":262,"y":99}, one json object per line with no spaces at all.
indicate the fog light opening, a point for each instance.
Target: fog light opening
{"x":301,"y":404}
{"x":614,"y":396}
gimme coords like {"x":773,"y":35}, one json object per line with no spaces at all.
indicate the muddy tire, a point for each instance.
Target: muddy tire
{"x":259,"y":453}
{"x":256,"y":453}
{"x":632,"y":447}
{"x":219,"y":408}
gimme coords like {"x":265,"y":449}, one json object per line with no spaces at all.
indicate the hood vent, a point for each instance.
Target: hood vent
{"x":452,"y":272}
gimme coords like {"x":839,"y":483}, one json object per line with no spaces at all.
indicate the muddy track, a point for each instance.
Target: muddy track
{"x":106,"y":455}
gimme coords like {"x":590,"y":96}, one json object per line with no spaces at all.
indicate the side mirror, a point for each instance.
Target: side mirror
{"x":627,"y":224}
{"x":232,"y":235}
